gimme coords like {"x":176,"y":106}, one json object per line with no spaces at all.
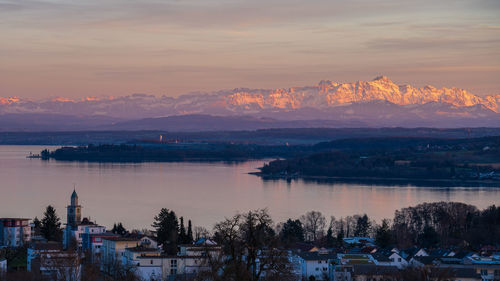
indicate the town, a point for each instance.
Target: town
{"x":431,"y":241}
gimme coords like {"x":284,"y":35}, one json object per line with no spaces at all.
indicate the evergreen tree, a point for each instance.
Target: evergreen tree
{"x":119,"y":229}
{"x":166,"y":228}
{"x":291,"y":232}
{"x":182,"y":232}
{"x":51,"y":225}
{"x":37,"y":226}
{"x":190,"y":233}
{"x":330,"y":241}
{"x":362,"y":226}
{"x":383,"y":235}
{"x":340,"y":237}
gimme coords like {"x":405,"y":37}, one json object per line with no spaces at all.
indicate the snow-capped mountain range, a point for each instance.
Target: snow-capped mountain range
{"x":379,"y":102}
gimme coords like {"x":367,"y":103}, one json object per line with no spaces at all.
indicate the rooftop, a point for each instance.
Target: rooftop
{"x":373,"y":270}
{"x":46,"y":246}
{"x":122,"y":239}
{"x":142,"y":249}
{"x":311,"y":256}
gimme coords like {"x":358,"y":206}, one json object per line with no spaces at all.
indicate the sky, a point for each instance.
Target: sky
{"x":75,"y":48}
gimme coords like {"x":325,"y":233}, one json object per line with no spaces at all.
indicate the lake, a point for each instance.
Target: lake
{"x":133,"y":193}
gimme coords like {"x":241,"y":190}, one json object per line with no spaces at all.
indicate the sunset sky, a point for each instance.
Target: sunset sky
{"x":168,"y":47}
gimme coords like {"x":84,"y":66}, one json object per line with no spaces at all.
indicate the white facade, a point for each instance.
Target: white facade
{"x":14,"y":232}
{"x":3,"y":266}
{"x":316,"y":264}
{"x":397,"y":261}
{"x":317,"y":268}
{"x":77,"y":233}
{"x":112,"y":251}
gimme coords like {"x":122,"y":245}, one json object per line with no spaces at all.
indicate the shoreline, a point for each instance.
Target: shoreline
{"x":385,"y":181}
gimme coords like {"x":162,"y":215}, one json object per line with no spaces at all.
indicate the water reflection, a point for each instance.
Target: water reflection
{"x":204,"y":192}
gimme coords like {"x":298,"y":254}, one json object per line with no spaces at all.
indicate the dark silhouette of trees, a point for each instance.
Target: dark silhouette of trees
{"x":362,"y":226}
{"x":250,"y":246}
{"x":166,"y":228}
{"x":384,"y":235}
{"x":51,"y":226}
{"x":428,"y":238}
{"x":190,"y":233}
{"x":37,"y":225}
{"x":314,"y":225}
{"x":119,"y":229}
{"x":446,"y":224}
{"x":291,"y":232}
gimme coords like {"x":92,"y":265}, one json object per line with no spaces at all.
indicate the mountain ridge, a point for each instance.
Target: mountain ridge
{"x":378,"y":102}
{"x":325,"y":94}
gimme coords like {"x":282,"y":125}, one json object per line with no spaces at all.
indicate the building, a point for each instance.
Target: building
{"x":195,"y":255}
{"x":59,"y":265}
{"x":76,"y":226}
{"x":92,"y":244}
{"x":112,"y":251}
{"x":3,"y":266}
{"x":137,"y":257}
{"x":487,"y":267}
{"x":36,"y":248}
{"x":316,"y":264}
{"x":14,"y":232}
{"x":191,"y":259}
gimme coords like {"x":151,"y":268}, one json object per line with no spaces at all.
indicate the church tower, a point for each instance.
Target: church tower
{"x":74,"y":211}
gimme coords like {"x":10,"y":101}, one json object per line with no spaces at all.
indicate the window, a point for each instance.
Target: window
{"x":484,"y":272}
{"x":399,"y":259}
{"x":151,"y":262}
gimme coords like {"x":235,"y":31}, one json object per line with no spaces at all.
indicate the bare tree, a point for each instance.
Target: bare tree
{"x":200,"y":232}
{"x":249,"y":244}
{"x":314,"y":225}
{"x":65,"y":266}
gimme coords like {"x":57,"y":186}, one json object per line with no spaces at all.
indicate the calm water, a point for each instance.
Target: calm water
{"x":203,"y":192}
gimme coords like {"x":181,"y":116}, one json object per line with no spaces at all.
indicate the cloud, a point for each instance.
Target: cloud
{"x":419,"y":43}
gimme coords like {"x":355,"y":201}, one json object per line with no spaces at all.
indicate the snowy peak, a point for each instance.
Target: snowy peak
{"x":306,"y":101}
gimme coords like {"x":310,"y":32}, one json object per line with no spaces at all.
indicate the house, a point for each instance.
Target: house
{"x":398,"y":260}
{"x":382,"y":259}
{"x":14,"y":232}
{"x":359,"y":240}
{"x":343,"y":267}
{"x":149,"y":242}
{"x":59,"y":265}
{"x":76,"y":233}
{"x":134,"y":257}
{"x":36,"y":248}
{"x":487,"y":267}
{"x":92,"y":244}
{"x":424,"y":261}
{"x":188,"y":262}
{"x":194,"y":256}
{"x":112,"y":251}
{"x":316,"y":264}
